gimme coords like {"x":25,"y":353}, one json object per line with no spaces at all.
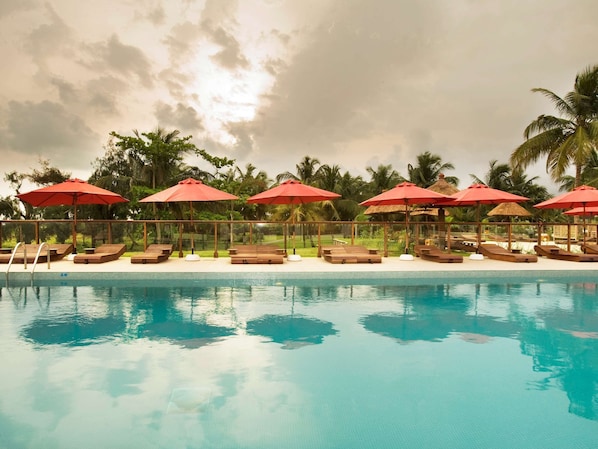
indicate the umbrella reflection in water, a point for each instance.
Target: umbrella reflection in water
{"x":293,"y":331}
{"x":73,"y":330}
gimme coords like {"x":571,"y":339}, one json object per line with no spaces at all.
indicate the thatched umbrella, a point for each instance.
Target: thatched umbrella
{"x":509,"y":210}
{"x":443,"y":187}
{"x":386,"y":209}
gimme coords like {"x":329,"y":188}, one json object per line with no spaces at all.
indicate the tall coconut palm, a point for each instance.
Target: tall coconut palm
{"x":428,"y":169}
{"x":383,"y":178}
{"x":589,"y":175}
{"x":306,"y":171}
{"x":566,"y":140}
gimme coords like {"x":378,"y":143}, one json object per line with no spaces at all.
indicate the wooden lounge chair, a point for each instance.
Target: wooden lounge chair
{"x":435,"y":254}
{"x":101,"y":254}
{"x":497,"y":252}
{"x":154,"y":253}
{"x":350,"y":254}
{"x":589,"y":248}
{"x":57,"y":251}
{"x":256,"y":254}
{"x":556,"y":252}
{"x":467,"y":246}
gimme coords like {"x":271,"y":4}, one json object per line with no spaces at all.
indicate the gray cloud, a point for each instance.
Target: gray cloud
{"x":48,"y":39}
{"x":386,"y":80}
{"x":121,"y":58}
{"x":182,"y":117}
{"x":8,"y":7}
{"x":230,"y":56}
{"x":218,"y":24}
{"x":48,"y":129}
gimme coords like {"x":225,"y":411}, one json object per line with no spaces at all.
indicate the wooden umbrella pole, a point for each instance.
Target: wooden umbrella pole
{"x":75,"y":228}
{"x":215,"y":240}
{"x":192,"y":227}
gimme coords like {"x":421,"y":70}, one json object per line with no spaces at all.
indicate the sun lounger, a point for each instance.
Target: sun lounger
{"x":468,"y":246}
{"x":57,"y":251}
{"x":256,"y":254}
{"x":154,"y":253}
{"x":556,"y":252}
{"x":435,"y":254}
{"x":101,"y":254}
{"x":350,"y":254}
{"x":589,"y":248}
{"x":497,"y":252}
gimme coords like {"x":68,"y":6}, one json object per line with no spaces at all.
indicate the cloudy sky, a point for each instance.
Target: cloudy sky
{"x":350,"y":82}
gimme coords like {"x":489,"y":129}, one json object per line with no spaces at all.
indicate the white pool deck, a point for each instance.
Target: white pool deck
{"x":314,"y":268}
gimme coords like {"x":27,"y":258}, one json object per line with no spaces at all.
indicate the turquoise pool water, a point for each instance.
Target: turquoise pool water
{"x":505,"y":365}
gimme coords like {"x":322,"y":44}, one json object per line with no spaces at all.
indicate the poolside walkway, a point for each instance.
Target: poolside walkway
{"x":221,"y":268}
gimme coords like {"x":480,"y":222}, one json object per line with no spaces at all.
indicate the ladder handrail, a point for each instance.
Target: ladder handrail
{"x":12,"y":256}
{"x":39,"y":250}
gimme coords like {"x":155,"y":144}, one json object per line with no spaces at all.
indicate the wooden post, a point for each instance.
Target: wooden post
{"x":145,"y":235}
{"x":319,"y":240}
{"x":180,"y":240}
{"x":385,"y":239}
{"x":216,"y":240}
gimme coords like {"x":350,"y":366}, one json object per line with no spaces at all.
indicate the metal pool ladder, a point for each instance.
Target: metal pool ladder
{"x":39,"y":250}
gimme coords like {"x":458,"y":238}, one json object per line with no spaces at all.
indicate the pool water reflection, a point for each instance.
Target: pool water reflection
{"x":330,"y":366}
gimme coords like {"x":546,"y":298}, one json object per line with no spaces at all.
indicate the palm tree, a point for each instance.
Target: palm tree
{"x":567,"y":140}
{"x":306,"y":171}
{"x":589,"y":175}
{"x":428,"y":169}
{"x":383,"y":178}
{"x":496,"y":177}
{"x":328,"y":177}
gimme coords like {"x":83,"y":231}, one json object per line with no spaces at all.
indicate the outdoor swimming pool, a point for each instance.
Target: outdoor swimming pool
{"x":303,"y":365}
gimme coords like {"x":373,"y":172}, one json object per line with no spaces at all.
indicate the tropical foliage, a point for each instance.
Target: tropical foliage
{"x":565,"y":140}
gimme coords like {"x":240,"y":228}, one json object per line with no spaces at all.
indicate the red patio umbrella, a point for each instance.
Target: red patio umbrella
{"x":581,"y":211}
{"x":478,"y":194}
{"x":406,"y":194}
{"x":71,"y":192}
{"x":190,"y":190}
{"x":582,"y":196}
{"x":292,"y":192}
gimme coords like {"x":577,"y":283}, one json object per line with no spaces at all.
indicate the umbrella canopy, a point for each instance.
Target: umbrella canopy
{"x":582,"y":196}
{"x":509,"y":210}
{"x":388,"y":209}
{"x":443,"y":187}
{"x":406,"y":194}
{"x":190,"y":190}
{"x":72,"y":192}
{"x":592,"y":210}
{"x":478,"y":194}
{"x":292,"y":192}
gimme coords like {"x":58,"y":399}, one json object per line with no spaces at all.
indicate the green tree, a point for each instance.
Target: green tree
{"x":306,"y":171}
{"x":566,"y":140}
{"x":428,"y":169}
{"x":156,"y":157}
{"x":497,"y":176}
{"x":383,"y":178}
{"x":589,"y":175}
